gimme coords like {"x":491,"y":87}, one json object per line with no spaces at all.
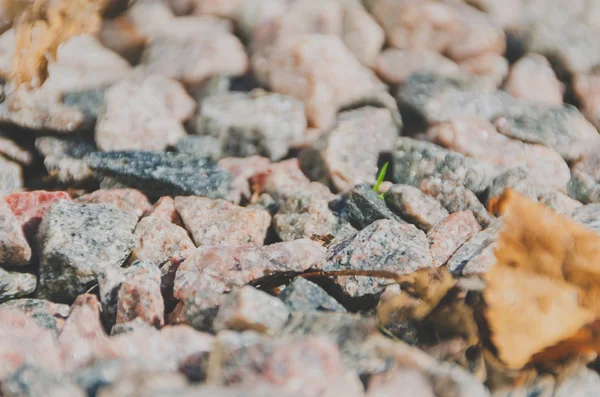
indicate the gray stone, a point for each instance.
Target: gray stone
{"x":11,"y":176}
{"x":562,"y":128}
{"x":13,"y":151}
{"x":77,"y":242}
{"x":255,"y":123}
{"x":583,"y":187}
{"x":456,"y":198}
{"x":99,"y":374}
{"x":413,"y":161}
{"x":559,"y":202}
{"x":30,"y":381}
{"x":63,"y":158}
{"x":88,"y":101}
{"x":46,"y":314}
{"x":305,"y":296}
{"x":248,"y":308}
{"x":439,"y":98}
{"x":589,"y":215}
{"x":205,"y":146}
{"x":364,"y":207}
{"x":415,"y":206}
{"x":478,"y":244}
{"x":450,"y":234}
{"x":163,"y":174}
{"x":584,"y":383}
{"x":16,"y":285}
{"x":384,"y":245}
{"x":14,"y":248}
{"x":517,"y":179}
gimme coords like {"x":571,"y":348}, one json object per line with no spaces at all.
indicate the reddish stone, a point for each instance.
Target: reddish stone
{"x":447,"y":236}
{"x":128,"y":200}
{"x":532,"y":78}
{"x":243,"y":170}
{"x":140,"y":296}
{"x":31,"y":207}
{"x":164,"y":208}
{"x":159,"y":241}
{"x":14,"y":249}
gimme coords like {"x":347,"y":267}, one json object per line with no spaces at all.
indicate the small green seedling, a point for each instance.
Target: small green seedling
{"x":380,"y":178}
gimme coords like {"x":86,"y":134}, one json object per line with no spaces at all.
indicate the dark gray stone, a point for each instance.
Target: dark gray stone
{"x":305,"y":296}
{"x":364,"y":207}
{"x":201,"y":146}
{"x":477,"y":245}
{"x":163,"y":174}
{"x":77,"y":242}
{"x":29,"y":381}
{"x":16,"y":285}
{"x":415,"y":206}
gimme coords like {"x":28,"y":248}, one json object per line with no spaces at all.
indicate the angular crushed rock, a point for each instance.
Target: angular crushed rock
{"x":305,"y":296}
{"x":456,"y":198}
{"x":247,"y":308}
{"x":46,"y":314}
{"x":561,"y":128}
{"x":348,"y":154}
{"x":127,"y":200}
{"x":30,"y":381}
{"x":559,"y":202}
{"x":445,"y":98}
{"x":384,"y":245}
{"x":63,"y":158}
{"x":414,"y":161}
{"x":532,"y":78}
{"x":255,"y":123}
{"x":242,"y":170}
{"x":162,"y":174}
{"x":475,"y":250}
{"x":450,"y":234}
{"x":218,"y":222}
{"x":16,"y":285}
{"x":589,"y":215}
{"x":364,"y":207}
{"x":11,"y":177}
{"x":202,"y":146}
{"x":517,"y":179}
{"x":160,"y":241}
{"x":14,"y":248}
{"x":79,"y":241}
{"x":143,"y":112}
{"x":414,"y":206}
{"x":164,"y":209}
{"x":395,"y":66}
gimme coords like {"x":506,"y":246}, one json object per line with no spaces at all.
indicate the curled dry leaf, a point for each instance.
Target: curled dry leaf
{"x":545,"y":285}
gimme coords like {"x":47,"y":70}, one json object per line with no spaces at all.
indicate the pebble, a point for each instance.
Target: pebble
{"x":438,"y":98}
{"x":414,"y":206}
{"x":164,"y":208}
{"x":450,"y":234}
{"x":242,"y":170}
{"x":583,"y":383}
{"x":12,"y":151}
{"x":255,"y":123}
{"x":94,"y":377}
{"x":583,"y":187}
{"x":388,"y":383}
{"x":159,"y":241}
{"x":162,"y":174}
{"x":79,"y":241}
{"x":11,"y":177}
{"x":16,"y":285}
{"x":456,"y":198}
{"x":559,"y":202}
{"x":480,"y":140}
{"x":491,"y":68}
{"x":302,"y":295}
{"x":589,"y":215}
{"x":127,"y":200}
{"x":414,"y":161}
{"x":532,"y":79}
{"x":205,"y":146}
{"x":364,"y":207}
{"x":46,"y":314}
{"x":481,"y":243}
{"x":518,"y":179}
{"x":14,"y":249}
{"x":30,"y":381}
{"x":248,"y":308}
{"x":122,"y":37}
{"x":89,"y":102}
{"x":384,"y":245}
{"x":135,"y":380}
{"x":63,"y":158}
{"x":348,"y":154}
{"x":395,"y":66}
{"x":143,"y":112}
{"x":561,"y":128}
{"x":586,"y":87}
{"x":218,"y":222}
{"x":507,"y":14}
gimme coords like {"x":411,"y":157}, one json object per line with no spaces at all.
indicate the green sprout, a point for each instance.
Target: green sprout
{"x":380,"y":178}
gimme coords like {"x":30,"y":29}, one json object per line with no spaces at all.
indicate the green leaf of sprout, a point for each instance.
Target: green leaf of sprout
{"x":380,"y":178}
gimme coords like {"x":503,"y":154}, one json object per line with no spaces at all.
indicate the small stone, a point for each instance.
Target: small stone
{"x":583,"y":187}
{"x":94,"y":377}
{"x":63,"y":158}
{"x":135,"y":380}
{"x":561,"y":128}
{"x":395,"y":66}
{"x":247,"y":308}
{"x":414,"y":206}
{"x":79,"y":241}
{"x":348,"y":154}
{"x":482,"y":262}
{"x":450,"y":234}
{"x":242,"y":170}
{"x":532,"y":78}
{"x":122,"y":37}
{"x":11,"y":177}
{"x":384,"y":245}
{"x":253,"y":124}
{"x":491,"y":68}
{"x":30,"y":381}
{"x":480,"y":242}
{"x":456,"y":198}
{"x":201,"y":146}
{"x":589,"y":215}
{"x":586,"y":87}
{"x":364,"y":207}
{"x":143,"y":112}
{"x":163,"y":174}
{"x":439,"y":98}
{"x":89,"y":102}
{"x":414,"y":161}
{"x":388,"y":383}
{"x":16,"y":285}
{"x":164,"y":208}
{"x":517,"y":179}
{"x":507,"y":14}
{"x":305,"y":296}
{"x":158,"y":241}
{"x":46,"y":314}
{"x":583,"y":383}
{"x":218,"y":222}
{"x":12,"y":151}
{"x":127,"y":200}
{"x":14,"y":249}
{"x":559,"y":202}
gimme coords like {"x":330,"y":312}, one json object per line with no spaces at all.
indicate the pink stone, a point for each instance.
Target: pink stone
{"x":128,"y":200}
{"x":140,"y":296}
{"x":242,"y":171}
{"x":160,"y":241}
{"x":164,"y":208}
{"x":14,"y":249}
{"x":532,"y":78}
{"x":394,"y":66}
{"x":450,"y":234}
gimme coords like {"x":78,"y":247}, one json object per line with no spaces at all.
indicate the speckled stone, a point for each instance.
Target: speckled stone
{"x":364,"y":207}
{"x":14,"y":249}
{"x":456,"y":198}
{"x":16,"y":285}
{"x":46,"y":314}
{"x":127,"y":200}
{"x":87,"y":101}
{"x":13,"y":151}
{"x":517,"y":179}
{"x":414,"y":206}
{"x":248,"y":308}
{"x":561,"y":128}
{"x":481,"y":243}
{"x":583,"y":187}
{"x":164,"y":208}
{"x":413,"y":161}
{"x":79,"y":241}
{"x":11,"y":176}
{"x":450,"y":234}
{"x":242,"y":171}
{"x":30,"y":381}
{"x":218,"y":222}
{"x":384,"y":245}
{"x":162,"y":174}
{"x":589,"y":215}
{"x":303,"y":295}
{"x":205,"y":146}
{"x":255,"y":123}
{"x":159,"y":241}
{"x":559,"y":202}
{"x":63,"y":158}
